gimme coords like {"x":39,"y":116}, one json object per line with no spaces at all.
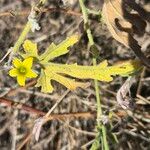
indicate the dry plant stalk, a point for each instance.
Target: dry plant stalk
{"x":122,"y":99}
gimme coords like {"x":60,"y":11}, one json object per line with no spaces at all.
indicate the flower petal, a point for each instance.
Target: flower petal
{"x":21,"y":80}
{"x":31,"y":74}
{"x":27,"y":63}
{"x":17,"y":62}
{"x":13,"y":72}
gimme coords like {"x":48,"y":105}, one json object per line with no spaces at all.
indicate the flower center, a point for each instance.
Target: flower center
{"x":22,"y":70}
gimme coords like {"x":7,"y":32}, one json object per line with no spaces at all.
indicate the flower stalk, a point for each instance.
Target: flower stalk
{"x":99,"y":108}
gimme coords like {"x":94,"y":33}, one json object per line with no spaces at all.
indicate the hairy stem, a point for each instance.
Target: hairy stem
{"x":22,"y":37}
{"x":26,"y":29}
{"x":99,"y":108}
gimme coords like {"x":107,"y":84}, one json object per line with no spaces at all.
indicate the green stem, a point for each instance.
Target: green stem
{"x":104,"y":133}
{"x":26,"y":29}
{"x":99,"y":108}
{"x":22,"y":37}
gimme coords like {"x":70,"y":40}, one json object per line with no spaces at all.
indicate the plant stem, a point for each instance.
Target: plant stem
{"x":22,"y":37}
{"x":26,"y":29}
{"x":99,"y":108}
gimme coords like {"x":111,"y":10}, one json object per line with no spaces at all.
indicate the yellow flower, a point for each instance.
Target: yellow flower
{"x":22,"y":70}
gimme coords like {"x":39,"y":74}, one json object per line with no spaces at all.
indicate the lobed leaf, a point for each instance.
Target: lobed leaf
{"x":44,"y":82}
{"x":101,"y":72}
{"x":54,"y":51}
{"x":30,"y":49}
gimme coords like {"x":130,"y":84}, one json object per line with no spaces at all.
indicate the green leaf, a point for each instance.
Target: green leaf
{"x":44,"y":82}
{"x":101,"y":72}
{"x":81,"y":72}
{"x":30,"y":49}
{"x":54,"y":51}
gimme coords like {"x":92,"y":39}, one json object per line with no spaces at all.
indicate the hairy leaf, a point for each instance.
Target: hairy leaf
{"x":101,"y":72}
{"x":54,"y":51}
{"x":30,"y":48}
{"x":44,"y":82}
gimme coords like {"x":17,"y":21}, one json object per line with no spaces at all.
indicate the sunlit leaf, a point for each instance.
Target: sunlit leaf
{"x":54,"y":51}
{"x":44,"y":82}
{"x":101,"y":72}
{"x":66,"y":74}
{"x":69,"y":83}
{"x":30,"y":49}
